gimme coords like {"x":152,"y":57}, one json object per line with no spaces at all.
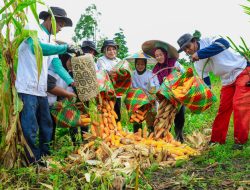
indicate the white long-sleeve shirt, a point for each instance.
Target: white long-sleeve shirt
{"x":228,"y":64}
{"x":103,"y":63}
{"x":60,"y":83}
{"x":145,"y":81}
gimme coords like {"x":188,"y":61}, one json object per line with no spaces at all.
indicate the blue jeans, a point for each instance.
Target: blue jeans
{"x":36,"y":116}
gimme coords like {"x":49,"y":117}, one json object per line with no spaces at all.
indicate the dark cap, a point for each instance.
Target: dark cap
{"x":109,"y":43}
{"x":58,"y":13}
{"x":89,"y":44}
{"x":184,"y":40}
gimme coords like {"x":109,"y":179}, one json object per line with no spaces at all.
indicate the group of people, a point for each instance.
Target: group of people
{"x":56,"y":80}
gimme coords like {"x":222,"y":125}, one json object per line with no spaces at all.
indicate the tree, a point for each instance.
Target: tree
{"x":100,"y":43}
{"x":197,"y":34}
{"x":13,"y":19}
{"x":87,"y":26}
{"x":120,"y":39}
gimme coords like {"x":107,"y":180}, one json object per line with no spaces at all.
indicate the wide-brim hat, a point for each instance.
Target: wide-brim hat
{"x":184,"y":40}
{"x":109,"y":43}
{"x":91,"y":45}
{"x":141,"y":55}
{"x":149,"y":47}
{"x":58,"y":13}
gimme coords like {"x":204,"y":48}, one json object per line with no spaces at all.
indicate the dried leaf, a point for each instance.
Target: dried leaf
{"x":47,"y":185}
{"x":87,"y":177}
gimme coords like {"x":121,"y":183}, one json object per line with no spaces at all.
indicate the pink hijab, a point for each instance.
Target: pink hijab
{"x":169,"y":62}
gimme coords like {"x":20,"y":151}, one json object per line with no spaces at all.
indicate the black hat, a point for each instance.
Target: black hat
{"x":58,"y":13}
{"x":109,"y":43}
{"x":184,"y":40}
{"x":89,"y":44}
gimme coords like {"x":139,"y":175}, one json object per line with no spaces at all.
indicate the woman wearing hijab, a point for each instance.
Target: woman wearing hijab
{"x":166,"y":57}
{"x":143,"y":78}
{"x":107,"y":62}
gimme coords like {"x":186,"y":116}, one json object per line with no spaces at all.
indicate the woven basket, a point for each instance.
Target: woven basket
{"x":85,"y":77}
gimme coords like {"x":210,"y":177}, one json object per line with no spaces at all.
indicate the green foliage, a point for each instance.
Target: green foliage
{"x":184,"y":62}
{"x":99,"y":44}
{"x":120,"y":39}
{"x":246,"y":8}
{"x":87,"y":29}
{"x":197,"y":34}
{"x":13,"y":19}
{"x":241,"y":49}
{"x":1,"y":68}
{"x":87,"y":26}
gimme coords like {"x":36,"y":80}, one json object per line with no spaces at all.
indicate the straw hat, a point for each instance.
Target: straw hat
{"x":141,"y":55}
{"x":148,"y":47}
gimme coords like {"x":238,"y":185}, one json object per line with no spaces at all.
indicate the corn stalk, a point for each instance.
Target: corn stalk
{"x":13,"y":19}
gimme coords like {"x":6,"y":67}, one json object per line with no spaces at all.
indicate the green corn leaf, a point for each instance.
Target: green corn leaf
{"x":53,"y":22}
{"x":243,"y":50}
{"x":6,"y":6}
{"x":19,"y":8}
{"x":18,"y":104}
{"x":244,"y":43}
{"x":18,"y":26}
{"x":37,"y":50}
{"x":34,"y":11}
{"x":246,"y":9}
{"x":234,"y":45}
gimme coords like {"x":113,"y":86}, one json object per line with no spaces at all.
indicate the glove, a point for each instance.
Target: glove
{"x":75,"y":49}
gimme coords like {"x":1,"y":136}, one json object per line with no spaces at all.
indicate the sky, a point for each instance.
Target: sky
{"x":160,"y":19}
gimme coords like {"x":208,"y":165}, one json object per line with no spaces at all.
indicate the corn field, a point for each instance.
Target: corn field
{"x":13,"y":16}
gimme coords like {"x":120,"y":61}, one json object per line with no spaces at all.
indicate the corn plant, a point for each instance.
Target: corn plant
{"x":242,"y":49}
{"x":13,"y":18}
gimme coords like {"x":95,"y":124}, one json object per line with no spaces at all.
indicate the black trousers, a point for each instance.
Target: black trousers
{"x":179,"y":124}
{"x":118,"y":108}
{"x":137,"y":126}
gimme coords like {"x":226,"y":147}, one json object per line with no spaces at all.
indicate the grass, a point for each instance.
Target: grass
{"x":219,"y":167}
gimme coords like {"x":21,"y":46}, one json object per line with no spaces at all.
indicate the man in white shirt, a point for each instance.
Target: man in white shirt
{"x":215,"y":55}
{"x":32,"y":90}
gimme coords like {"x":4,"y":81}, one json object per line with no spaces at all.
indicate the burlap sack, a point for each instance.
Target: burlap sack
{"x":85,"y":77}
